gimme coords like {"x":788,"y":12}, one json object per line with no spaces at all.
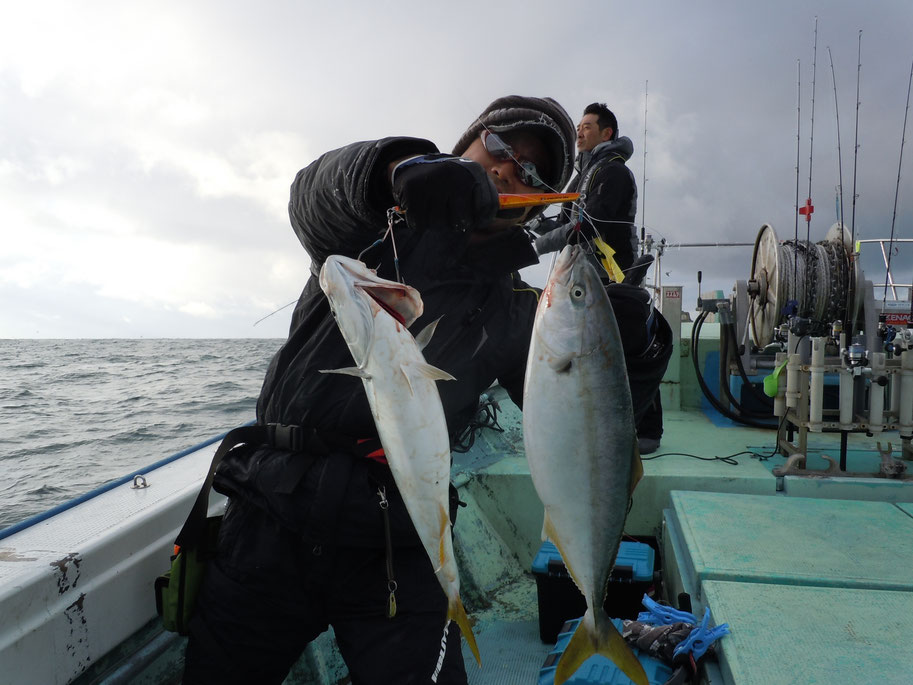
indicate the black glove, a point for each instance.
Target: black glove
{"x":441,"y":192}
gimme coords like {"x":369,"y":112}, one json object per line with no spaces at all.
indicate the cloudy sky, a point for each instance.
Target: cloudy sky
{"x":146,"y":149}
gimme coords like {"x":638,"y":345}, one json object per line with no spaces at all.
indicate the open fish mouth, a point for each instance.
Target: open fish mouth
{"x":398,"y":302}
{"x":342,"y":275}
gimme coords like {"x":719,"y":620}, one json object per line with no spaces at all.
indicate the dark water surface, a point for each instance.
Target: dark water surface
{"x":75,"y":414}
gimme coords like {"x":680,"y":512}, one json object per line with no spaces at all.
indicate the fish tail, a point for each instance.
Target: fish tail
{"x":609,"y":643}
{"x":456,"y":612}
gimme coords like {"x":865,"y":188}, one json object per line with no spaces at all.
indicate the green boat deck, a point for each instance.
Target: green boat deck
{"x":812,"y":574}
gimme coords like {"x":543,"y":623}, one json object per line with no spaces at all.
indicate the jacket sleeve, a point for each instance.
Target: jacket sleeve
{"x":338,"y":203}
{"x":554,"y":240}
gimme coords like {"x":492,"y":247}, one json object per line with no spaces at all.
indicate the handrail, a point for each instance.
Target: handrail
{"x":43,"y":516}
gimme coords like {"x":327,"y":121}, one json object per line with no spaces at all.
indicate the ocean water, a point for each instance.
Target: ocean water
{"x":76,"y":414}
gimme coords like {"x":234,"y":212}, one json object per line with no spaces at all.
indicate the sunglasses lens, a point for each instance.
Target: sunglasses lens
{"x":496,"y":146}
{"x":530,"y":175}
{"x":499,"y":149}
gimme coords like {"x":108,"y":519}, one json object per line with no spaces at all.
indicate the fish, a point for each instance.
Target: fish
{"x":374,"y":314}
{"x":580,"y":441}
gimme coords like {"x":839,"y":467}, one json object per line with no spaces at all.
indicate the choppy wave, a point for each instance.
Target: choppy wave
{"x":75,"y":414}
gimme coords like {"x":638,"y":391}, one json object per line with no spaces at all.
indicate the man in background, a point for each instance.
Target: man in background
{"x":606,"y":210}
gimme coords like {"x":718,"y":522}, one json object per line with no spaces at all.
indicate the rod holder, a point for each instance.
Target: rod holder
{"x":816,"y":391}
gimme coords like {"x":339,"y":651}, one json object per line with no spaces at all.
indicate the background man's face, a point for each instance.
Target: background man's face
{"x":589,"y":135}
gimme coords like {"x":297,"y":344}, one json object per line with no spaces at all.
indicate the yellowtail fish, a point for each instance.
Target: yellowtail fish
{"x":374,"y":315}
{"x":580,"y":440}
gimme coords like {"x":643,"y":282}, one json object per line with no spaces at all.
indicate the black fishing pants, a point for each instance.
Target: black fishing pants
{"x":268,"y":594}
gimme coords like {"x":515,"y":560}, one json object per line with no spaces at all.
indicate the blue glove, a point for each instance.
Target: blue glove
{"x":662,"y":615}
{"x":441,"y":192}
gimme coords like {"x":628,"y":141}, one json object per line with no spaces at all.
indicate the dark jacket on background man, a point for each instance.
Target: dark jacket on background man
{"x":608,"y":203}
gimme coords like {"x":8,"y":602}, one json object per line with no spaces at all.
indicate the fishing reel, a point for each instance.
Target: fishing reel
{"x":854,"y":356}
{"x":898,"y":340}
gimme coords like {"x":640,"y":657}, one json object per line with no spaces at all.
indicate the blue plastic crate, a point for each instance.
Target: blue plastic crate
{"x":597,"y":670}
{"x":634,"y":562}
{"x":560,"y":600}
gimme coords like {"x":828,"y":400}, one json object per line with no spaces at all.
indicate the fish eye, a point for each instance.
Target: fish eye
{"x":577,"y":292}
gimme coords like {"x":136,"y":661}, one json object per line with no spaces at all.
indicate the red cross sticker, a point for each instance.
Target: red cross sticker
{"x":807,"y":210}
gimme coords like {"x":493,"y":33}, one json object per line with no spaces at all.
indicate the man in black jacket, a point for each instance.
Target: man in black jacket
{"x":308,"y":541}
{"x":303,"y":544}
{"x":608,"y":203}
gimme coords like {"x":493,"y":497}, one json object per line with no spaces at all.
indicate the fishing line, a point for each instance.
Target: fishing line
{"x":903,"y":136}
{"x":285,"y":306}
{"x":579,"y":205}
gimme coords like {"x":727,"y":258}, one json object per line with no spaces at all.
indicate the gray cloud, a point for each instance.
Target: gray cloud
{"x":146,"y":154}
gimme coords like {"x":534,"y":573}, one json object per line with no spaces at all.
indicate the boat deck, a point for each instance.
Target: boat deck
{"x":811,"y":573}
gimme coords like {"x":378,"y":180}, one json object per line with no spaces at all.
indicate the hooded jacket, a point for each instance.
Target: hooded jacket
{"x":338,"y":206}
{"x":607,"y":206}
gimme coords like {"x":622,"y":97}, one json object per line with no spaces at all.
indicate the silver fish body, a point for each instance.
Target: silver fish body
{"x":373,"y":315}
{"x":580,"y":441}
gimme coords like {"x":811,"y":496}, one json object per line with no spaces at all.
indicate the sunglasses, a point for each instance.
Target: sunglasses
{"x":498,"y":149}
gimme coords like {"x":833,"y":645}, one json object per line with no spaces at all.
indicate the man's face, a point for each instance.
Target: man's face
{"x":589,"y":135}
{"x":504,"y":173}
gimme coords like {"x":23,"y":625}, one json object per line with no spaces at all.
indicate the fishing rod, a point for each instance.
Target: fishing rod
{"x":809,"y":208}
{"x":856,"y":138}
{"x":839,"y":157}
{"x":643,"y":202}
{"x":798,"y":138}
{"x":852,"y":250}
{"x":903,"y":136}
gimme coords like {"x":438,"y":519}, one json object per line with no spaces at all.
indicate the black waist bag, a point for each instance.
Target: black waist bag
{"x":176,"y":590}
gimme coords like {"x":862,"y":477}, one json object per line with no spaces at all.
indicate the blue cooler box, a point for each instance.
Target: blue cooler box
{"x":560,"y":600}
{"x":597,"y":670}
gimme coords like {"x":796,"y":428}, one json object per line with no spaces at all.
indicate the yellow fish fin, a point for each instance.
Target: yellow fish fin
{"x":606,"y":257}
{"x":456,"y":612}
{"x":550,"y":533}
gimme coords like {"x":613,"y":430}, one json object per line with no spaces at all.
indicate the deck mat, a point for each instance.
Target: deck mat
{"x":812,"y":635}
{"x":906,"y":508}
{"x":794,"y":540}
{"x":511,"y":651}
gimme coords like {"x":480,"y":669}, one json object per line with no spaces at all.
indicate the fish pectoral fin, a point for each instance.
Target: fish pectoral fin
{"x":351,"y":371}
{"x":431,"y":372}
{"x":561,"y":364}
{"x":456,"y":612}
{"x":424,"y":337}
{"x":608,"y":643}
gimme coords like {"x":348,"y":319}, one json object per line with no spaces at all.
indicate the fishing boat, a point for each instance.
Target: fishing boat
{"x":796,"y":529}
